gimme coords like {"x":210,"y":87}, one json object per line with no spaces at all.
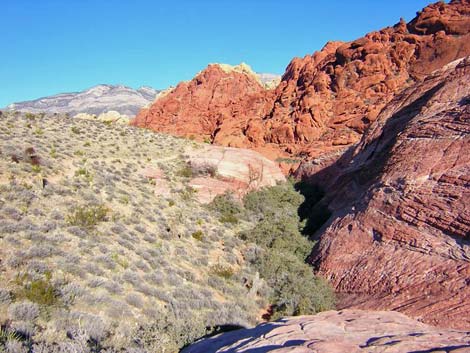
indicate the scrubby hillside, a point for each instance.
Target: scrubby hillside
{"x":97,"y":255}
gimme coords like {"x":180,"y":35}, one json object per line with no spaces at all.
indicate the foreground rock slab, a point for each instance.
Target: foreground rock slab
{"x":347,"y":331}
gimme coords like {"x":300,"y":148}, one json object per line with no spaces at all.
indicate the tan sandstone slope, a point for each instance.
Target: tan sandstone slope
{"x":348,"y":331}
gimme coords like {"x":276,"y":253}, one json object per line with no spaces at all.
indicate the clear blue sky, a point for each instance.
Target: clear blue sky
{"x":54,"y":46}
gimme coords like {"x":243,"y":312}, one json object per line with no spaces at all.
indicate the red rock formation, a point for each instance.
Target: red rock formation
{"x":399,"y":236}
{"x":205,"y":107}
{"x":352,"y":331}
{"x":325,"y":100}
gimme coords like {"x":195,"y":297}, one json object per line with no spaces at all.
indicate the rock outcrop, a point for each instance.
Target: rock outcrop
{"x":399,"y":235}
{"x":215,"y":170}
{"x":110,"y":117}
{"x":234,"y":170}
{"x":212,"y":107}
{"x":352,"y":331}
{"x":325,"y":101}
{"x":97,"y":100}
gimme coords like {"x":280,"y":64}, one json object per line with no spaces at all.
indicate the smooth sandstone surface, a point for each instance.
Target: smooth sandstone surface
{"x":347,"y":331}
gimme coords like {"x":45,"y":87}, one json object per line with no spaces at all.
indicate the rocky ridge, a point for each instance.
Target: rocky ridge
{"x":325,"y":101}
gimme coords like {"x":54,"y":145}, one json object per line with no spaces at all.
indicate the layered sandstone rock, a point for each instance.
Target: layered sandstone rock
{"x":233,"y":170}
{"x":353,"y":331}
{"x":325,"y":101}
{"x":215,"y":170}
{"x":399,"y":236}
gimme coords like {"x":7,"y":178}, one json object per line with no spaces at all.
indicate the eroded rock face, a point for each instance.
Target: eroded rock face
{"x":399,"y":236}
{"x":325,"y":101}
{"x":338,"y":332}
{"x":215,"y":170}
{"x":205,"y":107}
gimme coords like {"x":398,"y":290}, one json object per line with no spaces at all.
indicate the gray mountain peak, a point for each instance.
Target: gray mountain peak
{"x":94,"y":100}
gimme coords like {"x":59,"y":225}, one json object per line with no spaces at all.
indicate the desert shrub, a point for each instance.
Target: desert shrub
{"x":40,"y":291}
{"x":271,"y":201}
{"x":188,"y":193}
{"x":281,"y":233}
{"x":280,"y":252}
{"x":224,"y":271}
{"x":30,"y":116}
{"x":203,"y":169}
{"x":185,"y":171}
{"x":296,"y":291}
{"x":36,"y":168}
{"x":198,"y":235}
{"x":5,"y":297}
{"x":23,"y":311}
{"x":70,"y":292}
{"x":134,"y":299}
{"x":229,"y":209}
{"x":75,"y":130}
{"x":87,"y":216}
{"x":84,"y":174}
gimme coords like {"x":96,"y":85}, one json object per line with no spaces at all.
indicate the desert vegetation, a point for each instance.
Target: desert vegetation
{"x":93,"y":259}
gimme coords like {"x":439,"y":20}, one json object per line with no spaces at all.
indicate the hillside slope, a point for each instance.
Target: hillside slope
{"x":102,"y":240}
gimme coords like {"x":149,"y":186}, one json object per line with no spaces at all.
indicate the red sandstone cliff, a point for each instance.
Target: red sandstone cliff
{"x":325,"y":100}
{"x":399,"y":235}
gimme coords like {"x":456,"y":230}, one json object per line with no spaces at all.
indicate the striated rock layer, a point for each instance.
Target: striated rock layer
{"x":353,"y":331}
{"x":399,"y":236}
{"x":233,"y":170}
{"x":325,"y":100}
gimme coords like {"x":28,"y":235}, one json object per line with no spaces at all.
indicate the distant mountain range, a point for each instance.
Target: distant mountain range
{"x":95,"y":100}
{"x":103,"y":98}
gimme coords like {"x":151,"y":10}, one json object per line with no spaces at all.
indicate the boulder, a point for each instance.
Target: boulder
{"x":233,"y":170}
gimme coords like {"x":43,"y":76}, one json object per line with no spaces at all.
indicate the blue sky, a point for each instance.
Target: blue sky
{"x":54,"y":46}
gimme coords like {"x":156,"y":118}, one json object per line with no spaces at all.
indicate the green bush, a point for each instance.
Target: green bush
{"x":229,"y":209}
{"x":296,"y":291}
{"x":186,"y":171}
{"x":223,"y":271}
{"x":87,"y":216}
{"x":271,"y":201}
{"x":198,"y":235}
{"x":40,"y":291}
{"x":75,"y":130}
